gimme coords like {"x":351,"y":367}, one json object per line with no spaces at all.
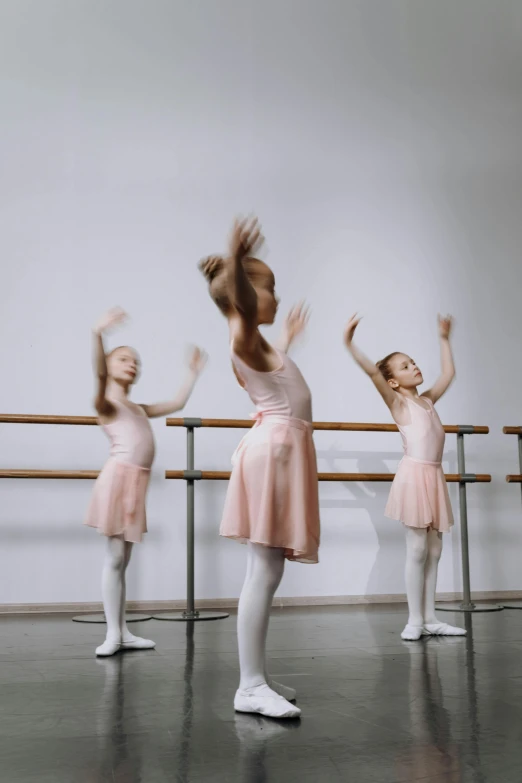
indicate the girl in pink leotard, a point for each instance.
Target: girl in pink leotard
{"x":419,"y":495}
{"x":272,"y":500}
{"x":117,"y":506}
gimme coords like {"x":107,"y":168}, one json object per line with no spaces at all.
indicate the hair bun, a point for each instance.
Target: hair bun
{"x":210,"y":267}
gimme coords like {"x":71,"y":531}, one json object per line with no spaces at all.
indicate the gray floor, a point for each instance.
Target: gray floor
{"x":375,"y":709}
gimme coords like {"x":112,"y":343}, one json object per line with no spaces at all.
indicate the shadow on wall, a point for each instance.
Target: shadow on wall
{"x":372,"y":497}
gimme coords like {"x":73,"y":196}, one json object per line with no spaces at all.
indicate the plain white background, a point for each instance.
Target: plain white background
{"x":379,"y":142}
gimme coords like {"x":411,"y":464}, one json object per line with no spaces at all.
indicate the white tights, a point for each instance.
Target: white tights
{"x":423,"y":551}
{"x":113,"y":586}
{"x":265,"y":566}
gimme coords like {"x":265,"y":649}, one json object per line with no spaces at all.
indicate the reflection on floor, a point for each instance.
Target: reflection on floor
{"x":375,"y":709}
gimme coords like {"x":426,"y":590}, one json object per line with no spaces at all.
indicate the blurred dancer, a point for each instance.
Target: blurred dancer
{"x":272,"y":500}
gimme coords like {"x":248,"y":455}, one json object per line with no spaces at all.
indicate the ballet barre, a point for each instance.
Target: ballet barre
{"x":191,"y":475}
{"x":30,"y":418}
{"x":515,"y":478}
{"x":27,"y":418}
{"x":49,"y":474}
{"x":224,"y":475}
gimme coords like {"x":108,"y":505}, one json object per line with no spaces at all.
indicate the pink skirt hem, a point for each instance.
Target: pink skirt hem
{"x":117,"y":505}
{"x":290,"y":554}
{"x":419,"y":496}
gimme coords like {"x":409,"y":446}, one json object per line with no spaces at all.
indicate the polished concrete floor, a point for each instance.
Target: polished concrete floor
{"x":375,"y":709}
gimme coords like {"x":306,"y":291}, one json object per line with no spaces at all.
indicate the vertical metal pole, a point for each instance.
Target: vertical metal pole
{"x":190,"y":614}
{"x":519,"y":438}
{"x":190,"y":610}
{"x":467,"y":604}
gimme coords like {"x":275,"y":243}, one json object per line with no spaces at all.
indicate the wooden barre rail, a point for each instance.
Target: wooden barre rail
{"x":49,"y":474}
{"x":340,"y":426}
{"x":29,"y":418}
{"x":222,"y":475}
{"x":512,"y":430}
{"x":515,"y":478}
{"x":335,"y":426}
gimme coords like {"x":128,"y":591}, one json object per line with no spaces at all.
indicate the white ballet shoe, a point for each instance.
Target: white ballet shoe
{"x":109,"y":647}
{"x":412,"y":633}
{"x":283,"y":690}
{"x":264,"y":701}
{"x":442,"y":629}
{"x":131,"y":642}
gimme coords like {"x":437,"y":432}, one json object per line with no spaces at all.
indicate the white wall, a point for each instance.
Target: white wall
{"x":379,"y":142}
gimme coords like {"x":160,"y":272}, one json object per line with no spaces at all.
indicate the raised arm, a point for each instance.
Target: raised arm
{"x":112,"y":318}
{"x":390,"y":397}
{"x":245,"y":240}
{"x":197,"y":360}
{"x":447,"y":371}
{"x":295,"y":324}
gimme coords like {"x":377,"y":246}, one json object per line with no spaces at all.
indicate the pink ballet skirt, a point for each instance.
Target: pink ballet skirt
{"x":419,"y":496}
{"x":419,"y":493}
{"x":117,"y":505}
{"x":272,"y":496}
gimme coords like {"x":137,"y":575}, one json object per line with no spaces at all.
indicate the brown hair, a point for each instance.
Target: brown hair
{"x":119,"y":348}
{"x":384,"y":365}
{"x":214,"y":270}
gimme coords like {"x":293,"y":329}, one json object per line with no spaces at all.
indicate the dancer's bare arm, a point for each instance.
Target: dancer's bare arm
{"x":295,"y":324}
{"x":112,"y":318}
{"x":197,"y":359}
{"x":447,"y":372}
{"x":390,"y":397}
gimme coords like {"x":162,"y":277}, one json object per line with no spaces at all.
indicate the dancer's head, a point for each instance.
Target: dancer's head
{"x":123,"y":365}
{"x":400,"y":371}
{"x":260,"y":276}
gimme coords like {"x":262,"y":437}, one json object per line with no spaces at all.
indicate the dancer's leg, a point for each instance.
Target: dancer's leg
{"x":128,"y":640}
{"x":431,"y":624}
{"x":283,"y":690}
{"x":113,"y":594}
{"x":430,"y":575}
{"x":416,"y":553}
{"x":264,"y":574}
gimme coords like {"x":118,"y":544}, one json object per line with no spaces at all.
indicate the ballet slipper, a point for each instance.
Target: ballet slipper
{"x":442,"y":629}
{"x":412,"y":633}
{"x":109,"y":647}
{"x":131,"y":642}
{"x":264,"y":701}
{"x":282,"y":690}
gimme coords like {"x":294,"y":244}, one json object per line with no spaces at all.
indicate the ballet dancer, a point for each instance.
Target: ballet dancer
{"x":272,"y":500}
{"x":117,"y":506}
{"x":419,"y":495}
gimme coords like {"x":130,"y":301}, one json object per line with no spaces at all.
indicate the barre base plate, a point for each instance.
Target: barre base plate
{"x":473,"y":607}
{"x":100,"y":618}
{"x":187,"y":617}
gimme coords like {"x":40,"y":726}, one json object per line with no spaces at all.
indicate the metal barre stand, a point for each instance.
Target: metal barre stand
{"x":190,"y":475}
{"x":509,"y":431}
{"x":466,"y":605}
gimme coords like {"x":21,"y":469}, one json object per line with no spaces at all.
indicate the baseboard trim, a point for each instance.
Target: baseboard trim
{"x":231,"y":603}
